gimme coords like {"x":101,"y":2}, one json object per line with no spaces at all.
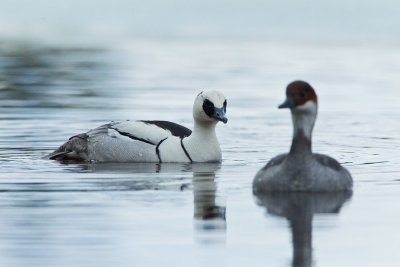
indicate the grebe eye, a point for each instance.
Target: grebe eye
{"x":302,"y":94}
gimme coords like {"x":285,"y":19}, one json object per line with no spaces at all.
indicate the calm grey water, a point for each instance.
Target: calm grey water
{"x":54,"y":214}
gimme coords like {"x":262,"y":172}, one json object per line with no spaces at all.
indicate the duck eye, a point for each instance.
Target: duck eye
{"x":208,"y":103}
{"x":208,"y":107}
{"x":302,"y":94}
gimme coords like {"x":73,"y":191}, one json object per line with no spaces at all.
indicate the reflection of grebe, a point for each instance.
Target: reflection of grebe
{"x":299,"y":208}
{"x":152,"y":141}
{"x":300,"y":169}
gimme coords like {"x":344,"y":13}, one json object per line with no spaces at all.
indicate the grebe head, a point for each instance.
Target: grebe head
{"x":300,"y":97}
{"x":210,"y":106}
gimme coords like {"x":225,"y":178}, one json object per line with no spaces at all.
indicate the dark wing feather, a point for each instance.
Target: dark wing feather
{"x":328,"y":162}
{"x":174,"y":128}
{"x":275,"y":161}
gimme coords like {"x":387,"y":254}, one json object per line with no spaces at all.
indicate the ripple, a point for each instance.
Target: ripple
{"x":134,"y":211}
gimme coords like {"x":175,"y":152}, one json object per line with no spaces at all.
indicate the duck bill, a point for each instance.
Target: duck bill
{"x":219,"y":115}
{"x":287,"y":104}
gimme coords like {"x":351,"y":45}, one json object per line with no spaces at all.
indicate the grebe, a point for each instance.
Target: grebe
{"x":300,"y":169}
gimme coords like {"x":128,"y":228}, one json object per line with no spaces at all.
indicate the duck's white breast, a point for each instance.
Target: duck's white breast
{"x":171,"y":150}
{"x":205,"y":149}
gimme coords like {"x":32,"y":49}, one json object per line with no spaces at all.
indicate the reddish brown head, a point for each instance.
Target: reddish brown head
{"x":297,"y":94}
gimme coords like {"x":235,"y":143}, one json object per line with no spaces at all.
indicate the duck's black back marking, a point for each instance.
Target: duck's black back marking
{"x":174,"y":128}
{"x":186,"y":153}
{"x":134,"y":137}
{"x":158,"y":150}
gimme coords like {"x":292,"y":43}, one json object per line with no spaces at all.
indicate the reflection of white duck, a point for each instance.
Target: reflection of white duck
{"x":300,"y":169}
{"x":209,"y":204}
{"x":152,"y":141}
{"x":206,"y":207}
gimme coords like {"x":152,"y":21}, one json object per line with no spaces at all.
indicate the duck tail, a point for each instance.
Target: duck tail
{"x":76,"y":149}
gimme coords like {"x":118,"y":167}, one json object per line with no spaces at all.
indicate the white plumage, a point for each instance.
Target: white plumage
{"x":152,"y":141}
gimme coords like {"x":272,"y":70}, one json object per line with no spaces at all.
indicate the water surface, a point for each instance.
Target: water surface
{"x":56,"y":214}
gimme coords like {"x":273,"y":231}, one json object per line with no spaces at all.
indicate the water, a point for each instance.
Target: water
{"x":65,"y":69}
{"x":57,"y":214}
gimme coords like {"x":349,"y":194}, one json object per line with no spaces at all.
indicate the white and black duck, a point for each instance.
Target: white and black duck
{"x":152,"y":141}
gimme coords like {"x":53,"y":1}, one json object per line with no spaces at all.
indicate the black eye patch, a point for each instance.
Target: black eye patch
{"x":208,"y":107}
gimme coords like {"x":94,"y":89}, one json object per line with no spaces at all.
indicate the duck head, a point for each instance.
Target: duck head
{"x":210,"y":106}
